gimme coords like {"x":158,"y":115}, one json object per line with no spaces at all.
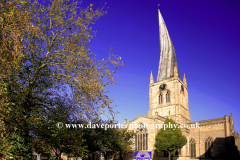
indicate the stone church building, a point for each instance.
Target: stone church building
{"x":168,"y":97}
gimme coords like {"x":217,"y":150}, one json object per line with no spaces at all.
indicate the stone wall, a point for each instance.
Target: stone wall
{"x":177,"y":108}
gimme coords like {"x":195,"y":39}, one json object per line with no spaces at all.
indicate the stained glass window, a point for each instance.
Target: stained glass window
{"x":138,"y":141}
{"x":141,"y":142}
{"x":192,"y":149}
{"x":168,"y":97}
{"x":144,"y":142}
{"x":208,"y":144}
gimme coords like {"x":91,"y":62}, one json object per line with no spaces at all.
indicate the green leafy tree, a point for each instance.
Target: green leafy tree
{"x":46,"y":63}
{"x":170,"y":139}
{"x":50,"y":137}
{"x":14,"y":24}
{"x":113,"y":142}
{"x":125,"y":143}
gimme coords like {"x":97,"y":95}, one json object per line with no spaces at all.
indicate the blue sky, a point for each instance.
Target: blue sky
{"x":205,"y":35}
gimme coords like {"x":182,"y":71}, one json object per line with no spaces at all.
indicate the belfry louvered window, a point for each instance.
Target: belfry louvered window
{"x":168,"y":97}
{"x":141,"y":140}
{"x":160,"y":99}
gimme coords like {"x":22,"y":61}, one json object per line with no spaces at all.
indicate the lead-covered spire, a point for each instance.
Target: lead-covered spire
{"x":168,"y":60}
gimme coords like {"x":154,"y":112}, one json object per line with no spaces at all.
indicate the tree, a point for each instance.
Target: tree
{"x":45,"y":57}
{"x":125,"y":143}
{"x":112,"y":142}
{"x":59,"y":140}
{"x":13,"y":26}
{"x":170,"y":139}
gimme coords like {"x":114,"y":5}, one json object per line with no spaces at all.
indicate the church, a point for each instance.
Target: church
{"x":168,"y":98}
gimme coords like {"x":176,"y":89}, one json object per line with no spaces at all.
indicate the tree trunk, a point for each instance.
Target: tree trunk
{"x":58,"y":156}
{"x":169,"y":156}
{"x":120,"y":156}
{"x":105,"y":156}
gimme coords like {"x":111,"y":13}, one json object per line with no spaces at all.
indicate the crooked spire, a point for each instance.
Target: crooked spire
{"x":168,"y":60}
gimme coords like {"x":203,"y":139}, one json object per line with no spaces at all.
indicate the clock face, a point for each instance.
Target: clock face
{"x":162,"y":87}
{"x":182,"y":88}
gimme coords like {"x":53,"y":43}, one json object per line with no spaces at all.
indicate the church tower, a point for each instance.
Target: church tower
{"x":168,"y":96}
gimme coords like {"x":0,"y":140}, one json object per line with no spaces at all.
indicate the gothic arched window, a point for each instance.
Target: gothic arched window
{"x":168,"y":97}
{"x":141,"y":139}
{"x":192,"y":148}
{"x":160,"y":99}
{"x":208,"y":144}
